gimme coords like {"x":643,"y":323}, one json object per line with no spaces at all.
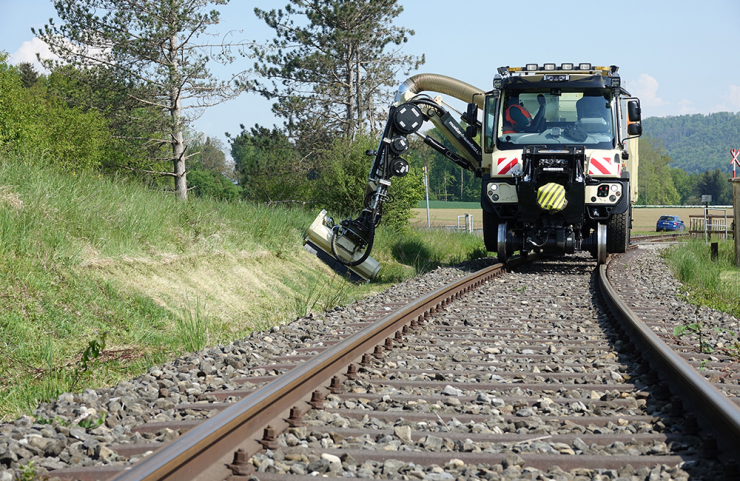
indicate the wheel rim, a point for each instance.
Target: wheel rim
{"x":601,"y":244}
{"x":501,"y":241}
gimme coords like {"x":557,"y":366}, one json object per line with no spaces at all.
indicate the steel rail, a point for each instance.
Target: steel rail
{"x":205,"y":452}
{"x":710,"y":405}
{"x":659,"y":237}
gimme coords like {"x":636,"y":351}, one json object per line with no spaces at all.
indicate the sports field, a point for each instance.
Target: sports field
{"x":643,"y":219}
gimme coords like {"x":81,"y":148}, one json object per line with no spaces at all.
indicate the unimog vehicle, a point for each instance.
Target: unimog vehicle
{"x":557,"y":157}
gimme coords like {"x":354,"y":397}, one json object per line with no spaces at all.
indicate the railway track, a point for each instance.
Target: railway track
{"x":518,"y":375}
{"x":661,"y":237}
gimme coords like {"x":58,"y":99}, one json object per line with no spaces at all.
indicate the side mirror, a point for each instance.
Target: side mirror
{"x":471,"y":118}
{"x":633,"y":111}
{"x":634,"y":129}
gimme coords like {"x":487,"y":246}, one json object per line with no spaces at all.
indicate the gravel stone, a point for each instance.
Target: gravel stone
{"x":53,"y":437}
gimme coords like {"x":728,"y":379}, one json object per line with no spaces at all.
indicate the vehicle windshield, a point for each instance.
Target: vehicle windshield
{"x":665,"y":217}
{"x":551,"y":117}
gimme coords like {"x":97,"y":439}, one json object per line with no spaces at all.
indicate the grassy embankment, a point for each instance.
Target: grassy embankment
{"x":85,"y":259}
{"x":715,"y":284}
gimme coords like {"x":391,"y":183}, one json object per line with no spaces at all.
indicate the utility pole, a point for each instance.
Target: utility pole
{"x":736,"y":205}
{"x":426,"y":190}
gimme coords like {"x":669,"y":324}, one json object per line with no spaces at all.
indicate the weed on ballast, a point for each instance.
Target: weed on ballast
{"x":26,"y":472}
{"x":87,"y":361}
{"x":699,"y":329}
{"x":92,"y":422}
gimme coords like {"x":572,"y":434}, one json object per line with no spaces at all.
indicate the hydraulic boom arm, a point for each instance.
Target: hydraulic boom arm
{"x":352,"y":240}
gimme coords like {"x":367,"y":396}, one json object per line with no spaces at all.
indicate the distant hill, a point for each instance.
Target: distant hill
{"x":698,"y":142}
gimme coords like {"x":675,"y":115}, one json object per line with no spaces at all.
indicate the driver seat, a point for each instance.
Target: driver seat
{"x":589,"y":118}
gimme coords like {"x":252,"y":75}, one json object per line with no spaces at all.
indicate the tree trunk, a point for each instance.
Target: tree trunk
{"x":178,"y":144}
{"x":350,"y":96}
{"x":371,"y":114}
{"x":358,"y":89}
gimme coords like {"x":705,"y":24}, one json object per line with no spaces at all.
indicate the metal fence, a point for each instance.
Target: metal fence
{"x":718,"y":225}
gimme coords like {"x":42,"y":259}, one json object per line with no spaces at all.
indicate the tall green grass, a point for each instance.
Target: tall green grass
{"x":418,"y":251}
{"x":53,"y":224}
{"x":715,"y":284}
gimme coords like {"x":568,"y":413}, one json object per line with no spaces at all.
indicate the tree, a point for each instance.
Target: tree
{"x":207,"y":153}
{"x":269,"y":167}
{"x":150,"y":45}
{"x":29,"y":75}
{"x":714,"y":183}
{"x":697,"y":142}
{"x":38,"y":124}
{"x":331,"y":69}
{"x":341,"y":185}
{"x":131,"y":125}
{"x":213,"y":184}
{"x":684,"y":184}
{"x":655,"y":184}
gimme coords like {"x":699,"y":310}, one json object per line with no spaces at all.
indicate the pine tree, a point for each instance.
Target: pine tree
{"x":331,"y":64}
{"x":150,"y":49}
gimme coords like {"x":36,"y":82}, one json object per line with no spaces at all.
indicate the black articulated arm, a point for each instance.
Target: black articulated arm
{"x":355,"y":237}
{"x":433,"y":143}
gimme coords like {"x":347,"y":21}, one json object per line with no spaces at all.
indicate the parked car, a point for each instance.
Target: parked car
{"x":669,"y":222}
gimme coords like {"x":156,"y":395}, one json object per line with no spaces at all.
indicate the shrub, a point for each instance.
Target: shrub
{"x":35,"y":123}
{"x":213,"y":184}
{"x":341,"y":185}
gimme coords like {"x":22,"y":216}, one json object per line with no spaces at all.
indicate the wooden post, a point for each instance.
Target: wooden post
{"x":714,"y":250}
{"x":736,"y":217}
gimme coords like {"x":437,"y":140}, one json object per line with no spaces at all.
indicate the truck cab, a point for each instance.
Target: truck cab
{"x":559,"y":160}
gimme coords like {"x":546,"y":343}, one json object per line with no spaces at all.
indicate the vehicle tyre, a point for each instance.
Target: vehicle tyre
{"x":504,"y":248}
{"x":618,"y":232}
{"x":490,"y":231}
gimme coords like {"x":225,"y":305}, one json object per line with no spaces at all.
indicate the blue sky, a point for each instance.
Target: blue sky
{"x":678,"y":56}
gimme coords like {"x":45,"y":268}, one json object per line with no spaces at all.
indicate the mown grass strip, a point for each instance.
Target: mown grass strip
{"x":86,"y":258}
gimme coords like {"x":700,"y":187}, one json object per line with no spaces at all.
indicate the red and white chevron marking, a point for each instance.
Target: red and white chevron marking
{"x":604,"y":166}
{"x":507,"y":165}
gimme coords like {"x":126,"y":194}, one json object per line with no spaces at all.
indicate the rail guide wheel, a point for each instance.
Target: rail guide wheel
{"x":601,"y":244}
{"x":501,"y":251}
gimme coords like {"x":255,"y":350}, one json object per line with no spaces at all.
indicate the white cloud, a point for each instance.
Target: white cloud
{"x":687,"y":107}
{"x":733,"y":97}
{"x":729,"y":101}
{"x":646,"y":88}
{"x":28,"y":51}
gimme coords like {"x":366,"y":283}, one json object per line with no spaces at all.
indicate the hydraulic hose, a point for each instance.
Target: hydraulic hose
{"x":365,"y":255}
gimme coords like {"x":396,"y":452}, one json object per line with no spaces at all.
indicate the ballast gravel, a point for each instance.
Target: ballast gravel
{"x":76,"y":429}
{"x":720,"y":332}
